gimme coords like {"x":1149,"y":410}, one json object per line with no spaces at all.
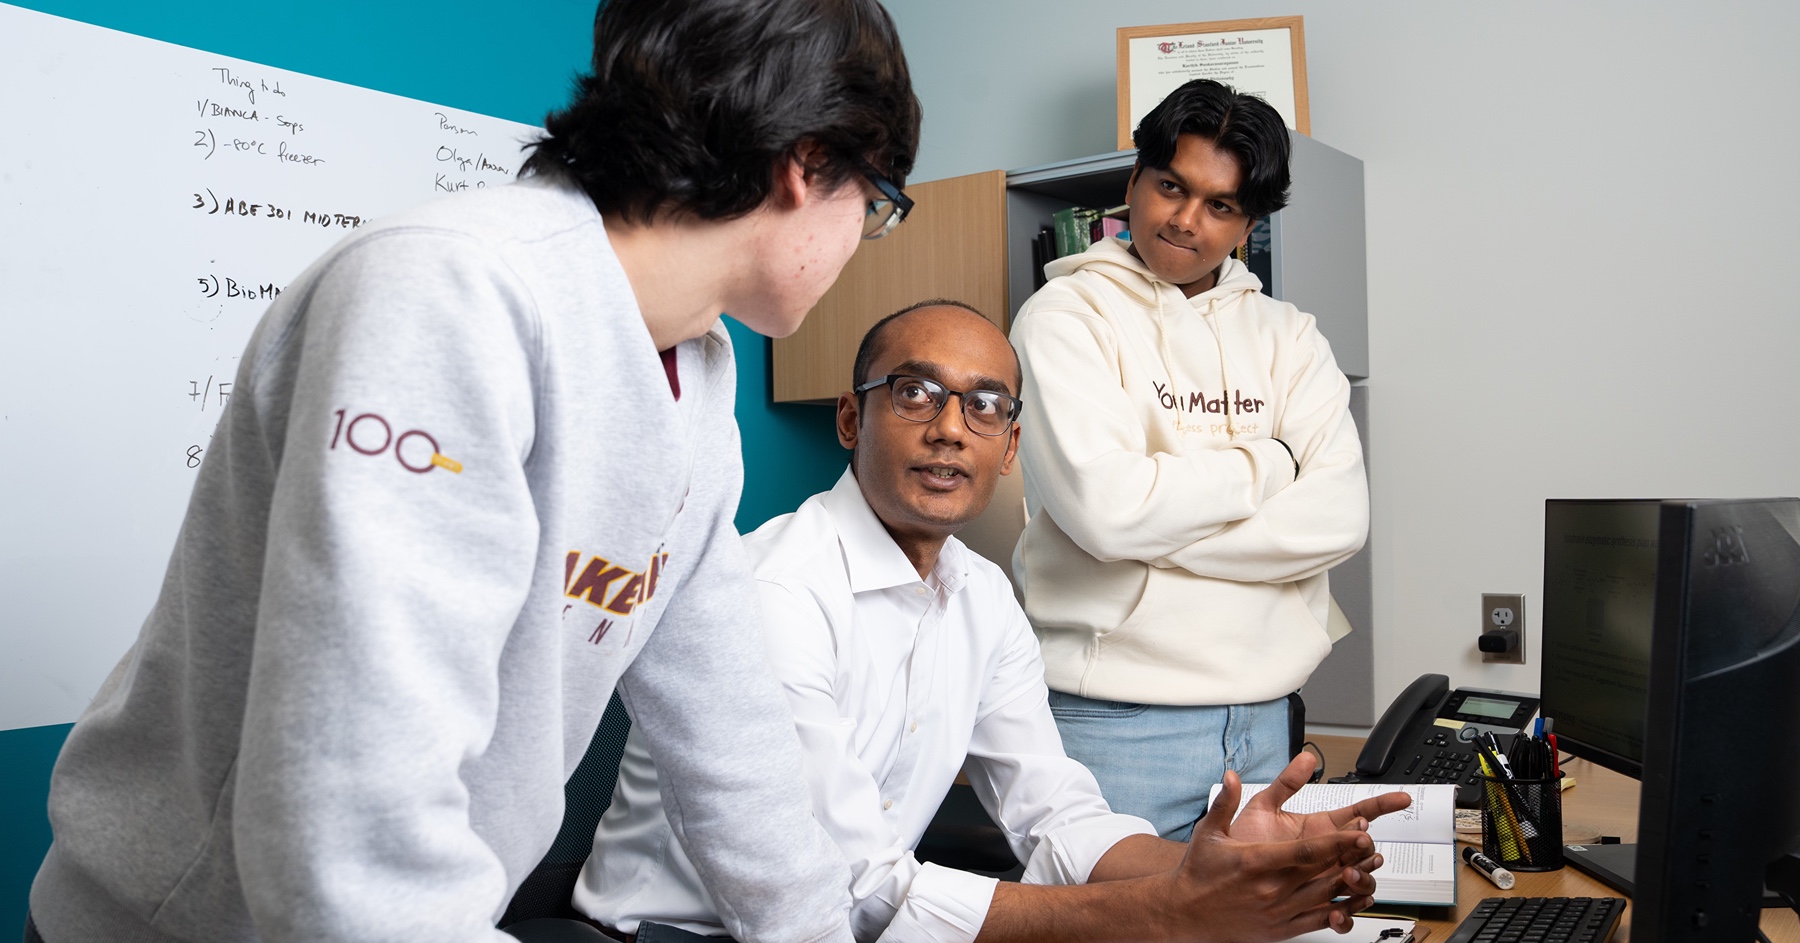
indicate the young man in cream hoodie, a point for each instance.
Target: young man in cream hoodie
{"x":1191,"y":472}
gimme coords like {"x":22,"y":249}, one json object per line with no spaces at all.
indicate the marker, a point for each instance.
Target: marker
{"x":1502,"y":878}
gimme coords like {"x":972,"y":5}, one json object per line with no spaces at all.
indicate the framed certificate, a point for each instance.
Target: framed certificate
{"x":1263,"y":57}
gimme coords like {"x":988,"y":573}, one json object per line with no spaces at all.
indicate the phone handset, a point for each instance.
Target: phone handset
{"x":1422,"y":697}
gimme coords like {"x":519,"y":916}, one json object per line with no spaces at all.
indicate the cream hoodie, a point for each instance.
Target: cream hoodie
{"x":1172,"y":555}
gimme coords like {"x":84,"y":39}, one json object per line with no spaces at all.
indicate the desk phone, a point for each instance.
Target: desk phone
{"x":1428,"y":736}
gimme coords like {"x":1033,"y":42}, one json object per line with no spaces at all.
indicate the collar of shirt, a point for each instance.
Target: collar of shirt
{"x":872,"y":559}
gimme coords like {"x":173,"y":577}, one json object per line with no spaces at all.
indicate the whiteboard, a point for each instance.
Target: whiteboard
{"x":153,"y":200}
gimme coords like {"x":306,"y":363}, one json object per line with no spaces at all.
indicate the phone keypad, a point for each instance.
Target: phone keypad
{"x":1446,"y":758}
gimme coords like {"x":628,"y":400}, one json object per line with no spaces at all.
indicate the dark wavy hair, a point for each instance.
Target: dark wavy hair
{"x":1243,"y":126}
{"x":692,"y":105}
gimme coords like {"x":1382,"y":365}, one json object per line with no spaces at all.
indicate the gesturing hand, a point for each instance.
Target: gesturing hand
{"x":1271,"y":888}
{"x":1264,"y":820}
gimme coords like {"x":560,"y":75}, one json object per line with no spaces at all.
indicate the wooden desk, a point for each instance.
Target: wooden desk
{"x":1601,"y":802}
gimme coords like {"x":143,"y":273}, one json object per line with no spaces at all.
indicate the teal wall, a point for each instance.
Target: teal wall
{"x":514,"y":62}
{"x":25,"y":758}
{"x":790,"y":452}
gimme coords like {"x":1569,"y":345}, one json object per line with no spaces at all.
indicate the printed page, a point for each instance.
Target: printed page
{"x":1416,"y":873}
{"x":1430,"y":818}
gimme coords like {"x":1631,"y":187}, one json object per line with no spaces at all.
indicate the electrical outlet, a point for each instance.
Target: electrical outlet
{"x":1502,"y":638}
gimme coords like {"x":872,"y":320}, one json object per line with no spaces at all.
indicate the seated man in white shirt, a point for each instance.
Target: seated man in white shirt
{"x":906,"y":658}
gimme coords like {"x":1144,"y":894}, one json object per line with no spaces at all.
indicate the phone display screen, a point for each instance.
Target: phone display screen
{"x":1488,"y":707}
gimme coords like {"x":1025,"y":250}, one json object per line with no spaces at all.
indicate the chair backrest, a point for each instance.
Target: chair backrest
{"x":546,"y":890}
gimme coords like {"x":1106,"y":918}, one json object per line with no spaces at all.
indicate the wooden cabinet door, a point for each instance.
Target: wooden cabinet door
{"x":953,"y":245}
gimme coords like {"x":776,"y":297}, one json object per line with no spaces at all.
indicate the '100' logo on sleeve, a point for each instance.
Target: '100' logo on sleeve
{"x":372,"y":434}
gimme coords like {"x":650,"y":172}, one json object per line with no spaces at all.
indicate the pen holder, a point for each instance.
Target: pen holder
{"x":1521,"y":823}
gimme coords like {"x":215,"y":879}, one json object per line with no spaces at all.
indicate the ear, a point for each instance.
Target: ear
{"x":1249,"y":227}
{"x":1012,"y":450}
{"x":849,"y":420}
{"x":794,"y":181}
{"x":1131,"y":181}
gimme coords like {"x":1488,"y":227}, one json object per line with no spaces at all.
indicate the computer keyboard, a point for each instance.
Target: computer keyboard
{"x":1541,"y":920}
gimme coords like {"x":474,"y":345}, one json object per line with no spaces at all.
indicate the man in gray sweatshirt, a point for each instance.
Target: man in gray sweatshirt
{"x":482,"y":470}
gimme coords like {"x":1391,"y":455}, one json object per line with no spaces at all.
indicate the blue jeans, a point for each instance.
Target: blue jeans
{"x":1158,"y":762}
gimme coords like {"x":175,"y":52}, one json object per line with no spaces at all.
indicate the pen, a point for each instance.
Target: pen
{"x":1502,"y":878}
{"x":1499,"y":757}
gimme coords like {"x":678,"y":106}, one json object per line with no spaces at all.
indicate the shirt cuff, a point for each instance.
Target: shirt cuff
{"x":1068,"y":854}
{"x":942,"y":904}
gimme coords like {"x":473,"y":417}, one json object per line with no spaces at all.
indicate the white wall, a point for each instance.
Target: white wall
{"x":1582,"y":253}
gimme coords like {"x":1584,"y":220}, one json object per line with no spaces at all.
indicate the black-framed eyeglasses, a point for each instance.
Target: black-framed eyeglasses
{"x":917,"y":399}
{"x":886,"y":211}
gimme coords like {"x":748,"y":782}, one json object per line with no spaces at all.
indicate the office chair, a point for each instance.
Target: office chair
{"x":962,"y":836}
{"x":545,"y":892}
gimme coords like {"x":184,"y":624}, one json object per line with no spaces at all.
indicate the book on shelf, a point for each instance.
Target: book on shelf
{"x":1417,"y":843}
{"x":1071,"y":234}
{"x":1043,"y":252}
{"x":1077,"y":227}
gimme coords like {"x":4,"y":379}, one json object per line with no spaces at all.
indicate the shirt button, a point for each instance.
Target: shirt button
{"x":918,"y":590}
{"x":915,"y":727}
{"x":887,"y":805}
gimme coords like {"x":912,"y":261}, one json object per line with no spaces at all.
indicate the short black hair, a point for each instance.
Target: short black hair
{"x":871,"y":341}
{"x":691,"y":106}
{"x":1244,"y":126}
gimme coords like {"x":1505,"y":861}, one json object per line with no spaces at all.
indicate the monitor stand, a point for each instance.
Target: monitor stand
{"x":1616,"y":867}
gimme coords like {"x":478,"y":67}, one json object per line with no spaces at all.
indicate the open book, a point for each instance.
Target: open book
{"x":1417,"y":844}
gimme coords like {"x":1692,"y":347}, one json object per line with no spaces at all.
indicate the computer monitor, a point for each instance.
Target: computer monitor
{"x":1599,"y":595}
{"x":1720,"y":807}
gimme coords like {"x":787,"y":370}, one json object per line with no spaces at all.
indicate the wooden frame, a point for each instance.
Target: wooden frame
{"x":1175,"y":34}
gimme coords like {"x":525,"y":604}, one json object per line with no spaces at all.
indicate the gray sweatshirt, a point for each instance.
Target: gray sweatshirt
{"x":453,"y":503}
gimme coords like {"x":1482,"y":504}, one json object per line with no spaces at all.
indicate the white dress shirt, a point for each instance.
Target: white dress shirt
{"x":895,"y":682}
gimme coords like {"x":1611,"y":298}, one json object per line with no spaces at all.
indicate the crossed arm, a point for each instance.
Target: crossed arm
{"x":1237,"y":511}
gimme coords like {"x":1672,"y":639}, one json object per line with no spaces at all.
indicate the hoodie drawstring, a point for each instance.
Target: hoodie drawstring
{"x":1162,"y":338}
{"x":1162,"y":347}
{"x":1224,"y":379}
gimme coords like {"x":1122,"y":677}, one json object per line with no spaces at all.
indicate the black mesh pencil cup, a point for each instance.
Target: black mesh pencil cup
{"x":1521,"y":823}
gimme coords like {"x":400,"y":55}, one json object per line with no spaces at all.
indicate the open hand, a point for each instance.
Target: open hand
{"x":1270,"y":888}
{"x":1264,"y":820}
